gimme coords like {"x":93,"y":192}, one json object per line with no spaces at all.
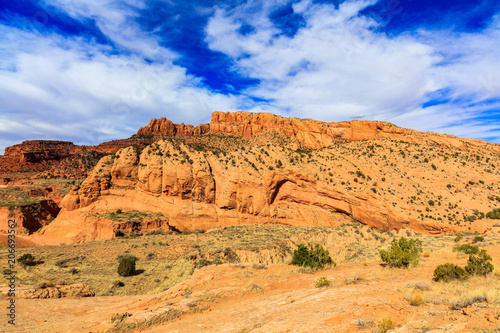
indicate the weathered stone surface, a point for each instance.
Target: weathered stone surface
{"x":165,"y":127}
{"x":58,"y":291}
{"x":262,"y":180}
{"x":60,"y":158}
{"x":317,"y":134}
{"x":30,"y":217}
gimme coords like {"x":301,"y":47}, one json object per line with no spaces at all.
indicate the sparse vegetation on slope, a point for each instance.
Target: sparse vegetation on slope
{"x":315,"y":257}
{"x":403,"y":253}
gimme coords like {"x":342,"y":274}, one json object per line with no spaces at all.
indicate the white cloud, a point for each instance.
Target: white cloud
{"x":68,"y":88}
{"x":339,"y":67}
{"x":117,"y":21}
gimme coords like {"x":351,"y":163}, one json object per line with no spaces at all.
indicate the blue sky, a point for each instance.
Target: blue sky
{"x":96,"y":70}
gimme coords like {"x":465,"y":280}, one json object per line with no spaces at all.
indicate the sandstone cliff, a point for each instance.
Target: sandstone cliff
{"x":310,"y":133}
{"x":29,"y":217}
{"x":382,"y":183}
{"x":165,"y":127}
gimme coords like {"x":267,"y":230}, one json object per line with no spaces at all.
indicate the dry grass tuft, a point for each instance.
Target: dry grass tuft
{"x":386,"y":324}
{"x":416,"y":300}
{"x":460,"y":295}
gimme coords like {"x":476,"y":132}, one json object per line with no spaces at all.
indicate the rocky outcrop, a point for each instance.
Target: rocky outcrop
{"x":95,"y":228}
{"x":315,"y":134}
{"x":61,"y":158}
{"x":29,"y":217}
{"x":167,"y":128}
{"x":209,"y":192}
{"x":369,"y":172}
{"x":58,"y":291}
{"x":310,"y":133}
{"x":36,"y":155}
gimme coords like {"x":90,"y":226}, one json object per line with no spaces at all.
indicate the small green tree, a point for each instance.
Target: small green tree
{"x":479,"y":264}
{"x":403,"y":253}
{"x":478,"y":239}
{"x":466,"y":248}
{"x":126,"y":267}
{"x":315,"y":257}
{"x":27,"y":259}
{"x":494,"y":214}
{"x":448,"y":272}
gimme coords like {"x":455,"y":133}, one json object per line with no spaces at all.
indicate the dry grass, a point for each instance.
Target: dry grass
{"x":15,"y":196}
{"x":386,"y":324}
{"x":18,"y":195}
{"x":169,"y":259}
{"x":462,"y":294}
{"x":129,"y":216}
{"x":416,"y":300}
{"x":420,"y":285}
{"x":322,"y":282}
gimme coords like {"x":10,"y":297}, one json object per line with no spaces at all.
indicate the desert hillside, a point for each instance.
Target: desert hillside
{"x":260,"y":169}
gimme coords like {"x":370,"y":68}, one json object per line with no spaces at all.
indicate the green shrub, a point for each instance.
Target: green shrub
{"x":479,"y":239}
{"x":403,"y":253}
{"x":479,"y":264}
{"x":28,"y":259}
{"x":466,"y":248}
{"x":459,"y":238}
{"x":449,"y":272}
{"x":322,"y":282}
{"x":126,"y":267}
{"x":315,"y":257}
{"x":494,"y":214}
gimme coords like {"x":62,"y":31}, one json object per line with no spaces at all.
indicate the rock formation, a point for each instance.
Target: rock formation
{"x":29,"y":217}
{"x":310,"y":133}
{"x":373,"y":182}
{"x":165,"y":127}
{"x":60,"y":158}
{"x":247,"y":168}
{"x":57,"y":291}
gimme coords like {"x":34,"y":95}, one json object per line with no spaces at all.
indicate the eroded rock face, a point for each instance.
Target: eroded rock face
{"x":315,"y":134}
{"x":165,"y":127}
{"x":58,"y":291}
{"x":371,"y":172}
{"x":310,"y":133}
{"x":30,"y":217}
{"x":208,"y":193}
{"x":59,"y":158}
{"x":36,"y":155}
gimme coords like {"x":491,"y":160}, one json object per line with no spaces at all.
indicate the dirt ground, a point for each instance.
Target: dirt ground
{"x":283,"y":298}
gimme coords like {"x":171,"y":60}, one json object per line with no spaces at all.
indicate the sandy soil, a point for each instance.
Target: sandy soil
{"x":282,"y":298}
